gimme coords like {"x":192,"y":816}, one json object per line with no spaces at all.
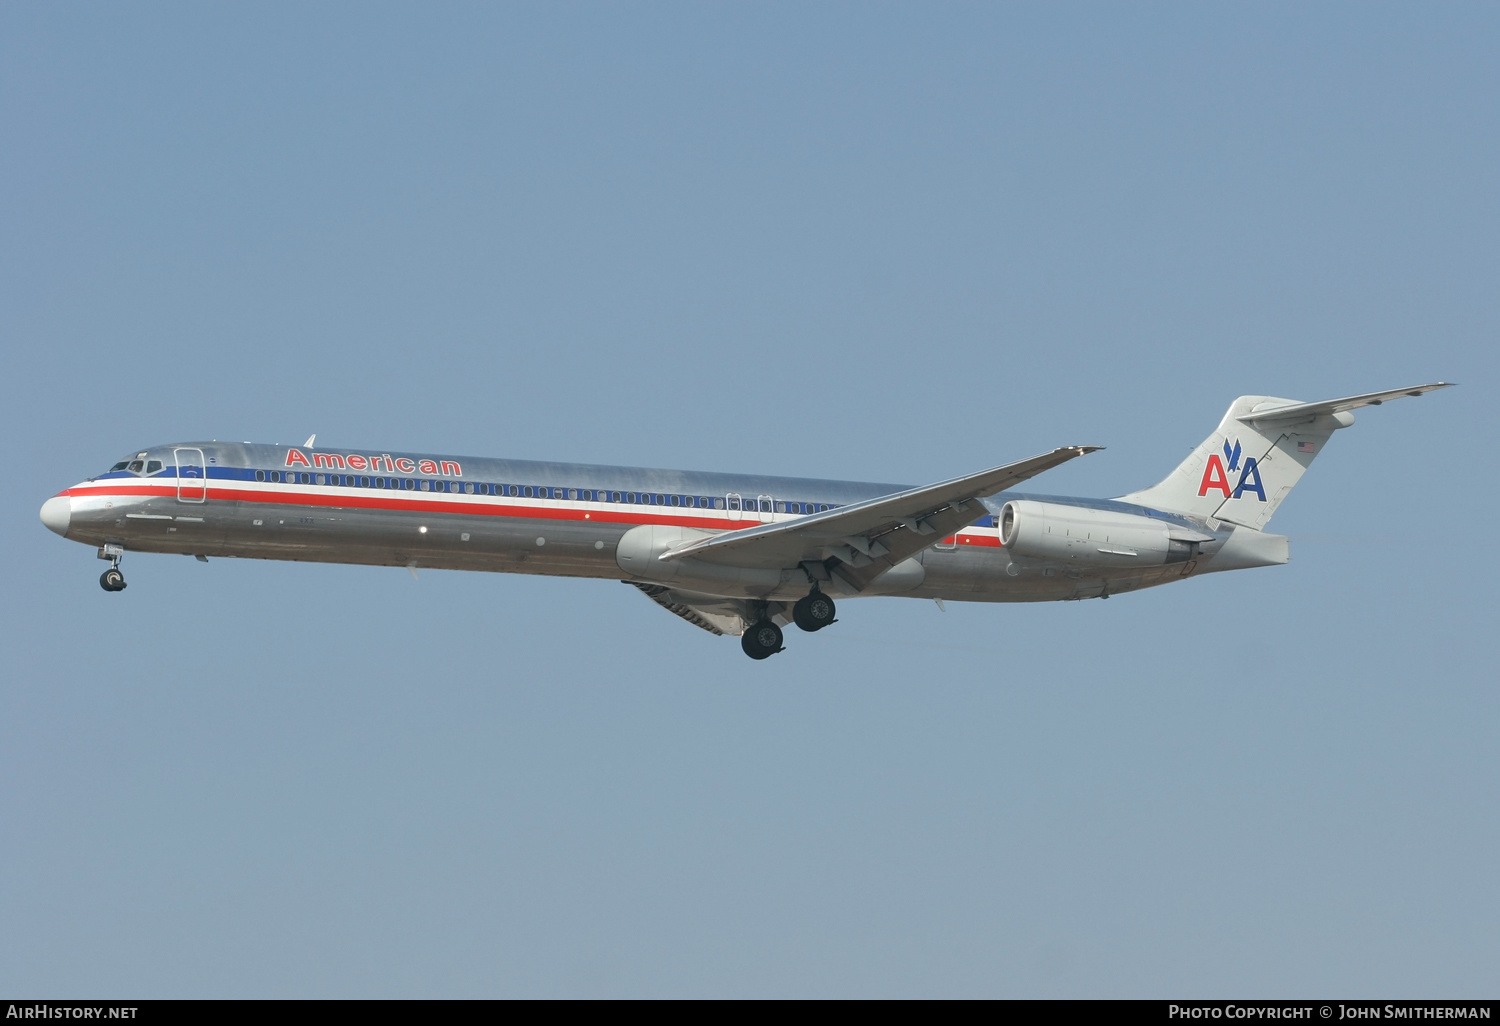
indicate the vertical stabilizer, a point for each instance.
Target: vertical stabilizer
{"x":1245,"y":469}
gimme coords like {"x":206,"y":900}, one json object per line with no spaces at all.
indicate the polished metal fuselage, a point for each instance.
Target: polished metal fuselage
{"x":515,"y":516}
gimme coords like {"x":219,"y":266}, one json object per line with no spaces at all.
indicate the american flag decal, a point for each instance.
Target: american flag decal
{"x":1306,"y":447}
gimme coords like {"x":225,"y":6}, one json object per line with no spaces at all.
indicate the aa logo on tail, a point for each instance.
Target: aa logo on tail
{"x":1216,"y":476}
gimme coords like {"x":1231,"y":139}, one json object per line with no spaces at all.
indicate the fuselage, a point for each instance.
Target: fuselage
{"x":218,"y":499}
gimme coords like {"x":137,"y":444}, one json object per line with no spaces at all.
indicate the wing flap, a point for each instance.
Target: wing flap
{"x":715,"y":616}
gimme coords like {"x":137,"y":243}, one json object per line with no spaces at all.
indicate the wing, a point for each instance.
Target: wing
{"x":864,"y":540}
{"x":1307,"y":411}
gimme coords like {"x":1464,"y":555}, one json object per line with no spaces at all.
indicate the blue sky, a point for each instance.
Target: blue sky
{"x":878,"y":242}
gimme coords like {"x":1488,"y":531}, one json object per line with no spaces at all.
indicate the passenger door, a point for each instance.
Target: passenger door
{"x":192,"y":474}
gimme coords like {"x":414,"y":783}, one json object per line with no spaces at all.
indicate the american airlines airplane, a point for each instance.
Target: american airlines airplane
{"x":731,"y":553}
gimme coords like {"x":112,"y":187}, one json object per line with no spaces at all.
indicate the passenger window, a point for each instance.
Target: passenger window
{"x":364,"y":482}
{"x":260,"y":475}
{"x":718,"y":504}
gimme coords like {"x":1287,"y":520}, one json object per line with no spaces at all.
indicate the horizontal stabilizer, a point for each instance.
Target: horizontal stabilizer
{"x":1307,"y":411}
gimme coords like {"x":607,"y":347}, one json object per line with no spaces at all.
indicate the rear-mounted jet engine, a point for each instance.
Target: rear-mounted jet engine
{"x":1056,"y":532}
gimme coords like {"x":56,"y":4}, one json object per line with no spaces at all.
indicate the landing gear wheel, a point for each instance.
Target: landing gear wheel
{"x":112,"y":580}
{"x":761,"y":640}
{"x":813,"y":612}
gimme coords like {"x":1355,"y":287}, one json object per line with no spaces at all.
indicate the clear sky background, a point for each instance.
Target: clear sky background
{"x":869,"y":241}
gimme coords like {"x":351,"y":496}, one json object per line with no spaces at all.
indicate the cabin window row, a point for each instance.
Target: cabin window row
{"x":731,"y":502}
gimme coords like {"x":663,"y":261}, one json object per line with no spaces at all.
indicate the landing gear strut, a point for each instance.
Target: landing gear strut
{"x":112,"y":579}
{"x":813,"y":611}
{"x":761,"y":640}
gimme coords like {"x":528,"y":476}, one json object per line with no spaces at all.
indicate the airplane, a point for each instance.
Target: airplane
{"x":733,"y":554}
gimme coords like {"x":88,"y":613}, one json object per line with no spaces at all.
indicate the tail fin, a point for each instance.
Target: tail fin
{"x":1260,"y":450}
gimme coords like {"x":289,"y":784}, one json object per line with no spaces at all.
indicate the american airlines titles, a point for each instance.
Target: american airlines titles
{"x":385,"y":462}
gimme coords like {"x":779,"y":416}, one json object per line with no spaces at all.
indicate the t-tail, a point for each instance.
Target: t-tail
{"x":1260,"y":450}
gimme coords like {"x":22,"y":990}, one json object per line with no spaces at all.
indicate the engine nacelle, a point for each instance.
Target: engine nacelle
{"x":1053,"y":532}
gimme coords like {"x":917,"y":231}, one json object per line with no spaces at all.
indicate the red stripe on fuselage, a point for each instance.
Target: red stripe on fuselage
{"x":498,"y":507}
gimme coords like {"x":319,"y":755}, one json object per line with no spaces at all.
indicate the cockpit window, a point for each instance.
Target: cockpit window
{"x":135,"y":466}
{"x":119,"y":466}
{"x":153,"y":466}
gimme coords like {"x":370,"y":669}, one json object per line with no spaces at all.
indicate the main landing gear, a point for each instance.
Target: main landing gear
{"x":112,"y":579}
{"x":813,"y":611}
{"x":763,"y":638}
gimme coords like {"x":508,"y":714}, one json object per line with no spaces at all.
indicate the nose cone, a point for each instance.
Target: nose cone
{"x":57,"y":513}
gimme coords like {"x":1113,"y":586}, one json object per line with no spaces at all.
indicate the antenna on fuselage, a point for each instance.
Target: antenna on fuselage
{"x":310,"y":439}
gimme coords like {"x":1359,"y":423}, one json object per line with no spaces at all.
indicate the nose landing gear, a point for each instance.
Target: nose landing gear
{"x":112,"y":579}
